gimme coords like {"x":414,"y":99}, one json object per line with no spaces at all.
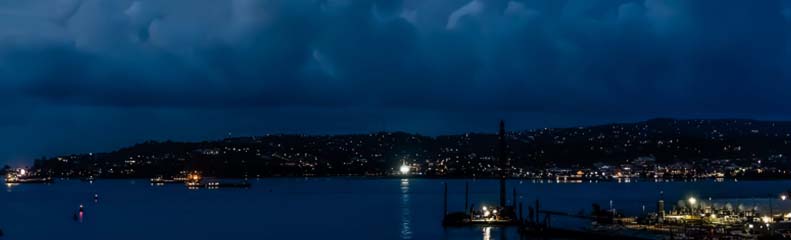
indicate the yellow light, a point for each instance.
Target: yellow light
{"x":765,"y":219}
{"x":486,"y":213}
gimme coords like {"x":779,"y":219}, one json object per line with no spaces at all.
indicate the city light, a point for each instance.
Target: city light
{"x":783,"y":197}
{"x":692,"y":200}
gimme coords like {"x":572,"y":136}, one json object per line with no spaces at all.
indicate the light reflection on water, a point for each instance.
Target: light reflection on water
{"x":283,"y":208}
{"x":406,"y":215}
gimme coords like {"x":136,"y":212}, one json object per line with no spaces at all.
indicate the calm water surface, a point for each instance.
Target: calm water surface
{"x":315,"y":208}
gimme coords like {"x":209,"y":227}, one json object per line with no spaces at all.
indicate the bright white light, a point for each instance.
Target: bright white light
{"x":751,"y":226}
{"x":783,"y":197}
{"x":404,"y":169}
{"x":486,"y":213}
{"x":484,"y":208}
{"x":692,"y":200}
{"x":22,"y":172}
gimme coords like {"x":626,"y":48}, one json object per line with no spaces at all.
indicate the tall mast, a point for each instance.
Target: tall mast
{"x":503,"y":162}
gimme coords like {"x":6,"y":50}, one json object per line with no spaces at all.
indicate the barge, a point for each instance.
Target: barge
{"x":195,"y":180}
{"x":23,"y":176}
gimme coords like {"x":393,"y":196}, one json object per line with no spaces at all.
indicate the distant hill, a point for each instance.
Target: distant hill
{"x":691,"y":141}
{"x":668,"y":140}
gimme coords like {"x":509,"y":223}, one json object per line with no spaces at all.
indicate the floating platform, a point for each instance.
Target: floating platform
{"x":159,"y":181}
{"x":217,"y":184}
{"x":460,"y":219}
{"x":30,"y":180}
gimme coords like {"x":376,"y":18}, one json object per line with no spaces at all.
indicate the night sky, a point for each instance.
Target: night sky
{"x":95,"y":75}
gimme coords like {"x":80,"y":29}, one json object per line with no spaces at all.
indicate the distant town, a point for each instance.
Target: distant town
{"x":653,"y":149}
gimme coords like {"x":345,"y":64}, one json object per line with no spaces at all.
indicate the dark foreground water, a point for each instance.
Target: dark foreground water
{"x":315,"y":208}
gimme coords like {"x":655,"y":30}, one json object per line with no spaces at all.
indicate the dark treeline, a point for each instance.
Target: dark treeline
{"x":668,"y":141}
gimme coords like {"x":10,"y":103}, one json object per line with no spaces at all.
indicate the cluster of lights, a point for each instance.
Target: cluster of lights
{"x":14,"y":176}
{"x":487,"y":213}
{"x":766,"y":219}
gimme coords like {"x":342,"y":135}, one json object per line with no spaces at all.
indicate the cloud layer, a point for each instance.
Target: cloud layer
{"x":348,"y":65}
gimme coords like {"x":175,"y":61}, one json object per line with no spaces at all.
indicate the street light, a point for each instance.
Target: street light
{"x":404,"y":169}
{"x":783,"y":197}
{"x":692,"y":202}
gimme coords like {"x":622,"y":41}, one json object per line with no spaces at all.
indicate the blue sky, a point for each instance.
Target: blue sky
{"x":94,"y":75}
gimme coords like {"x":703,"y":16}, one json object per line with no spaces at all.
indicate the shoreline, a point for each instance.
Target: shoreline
{"x":544,"y":180}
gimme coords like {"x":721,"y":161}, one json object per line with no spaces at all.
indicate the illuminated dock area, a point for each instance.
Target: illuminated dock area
{"x":21,"y":175}
{"x":690,"y":218}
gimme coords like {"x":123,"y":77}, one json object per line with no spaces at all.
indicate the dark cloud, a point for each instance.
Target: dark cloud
{"x":348,"y":65}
